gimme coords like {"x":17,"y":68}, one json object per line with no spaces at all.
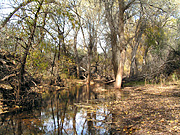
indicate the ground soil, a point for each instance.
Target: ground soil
{"x":149,"y":109}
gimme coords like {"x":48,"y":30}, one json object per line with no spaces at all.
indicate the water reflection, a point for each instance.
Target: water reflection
{"x":79,"y":110}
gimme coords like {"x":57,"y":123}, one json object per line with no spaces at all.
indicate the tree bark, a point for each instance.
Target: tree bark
{"x":121,"y":46}
{"x":89,"y":62}
{"x":76,"y":54}
{"x":118,"y":46}
{"x":133,"y":61}
{"x":90,"y":48}
{"x":144,"y":64}
{"x":119,"y":75}
{"x":115,"y":52}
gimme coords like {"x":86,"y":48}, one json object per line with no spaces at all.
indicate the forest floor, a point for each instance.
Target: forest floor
{"x":148,"y":109}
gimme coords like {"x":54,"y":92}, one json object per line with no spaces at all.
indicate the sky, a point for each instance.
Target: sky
{"x":5,"y":8}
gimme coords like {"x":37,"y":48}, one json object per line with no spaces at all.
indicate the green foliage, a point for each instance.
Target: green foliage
{"x":37,"y":62}
{"x":155,"y":37}
{"x":66,"y":66}
{"x":175,"y":76}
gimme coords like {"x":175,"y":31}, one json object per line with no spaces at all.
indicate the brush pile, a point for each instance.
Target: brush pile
{"x":9,"y":75}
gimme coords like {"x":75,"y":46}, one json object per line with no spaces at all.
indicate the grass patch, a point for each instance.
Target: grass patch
{"x":134,"y":83}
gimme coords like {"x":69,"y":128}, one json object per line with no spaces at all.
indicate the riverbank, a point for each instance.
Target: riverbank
{"x":139,"y":109}
{"x":149,"y":109}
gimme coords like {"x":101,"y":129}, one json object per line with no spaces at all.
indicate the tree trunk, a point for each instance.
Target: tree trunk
{"x":138,"y":34}
{"x":120,"y":47}
{"x":115,"y":52}
{"x":133,"y":61}
{"x":89,"y":65}
{"x":90,"y":48}
{"x":53,"y":64}
{"x":19,"y":126}
{"x":76,"y":54}
{"x":144,"y":65}
{"x":119,"y":75}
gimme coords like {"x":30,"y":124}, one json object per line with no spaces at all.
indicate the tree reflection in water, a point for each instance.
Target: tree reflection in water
{"x":79,"y":110}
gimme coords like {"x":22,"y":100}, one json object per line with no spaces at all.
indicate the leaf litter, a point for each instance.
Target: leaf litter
{"x":149,"y":109}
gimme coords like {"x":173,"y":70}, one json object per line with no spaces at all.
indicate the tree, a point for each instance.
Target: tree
{"x":118,"y":41}
{"x":76,"y":53}
{"x":119,"y":14}
{"x":27,"y":48}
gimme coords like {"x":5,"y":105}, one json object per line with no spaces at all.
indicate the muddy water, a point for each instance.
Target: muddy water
{"x":78,"y":110}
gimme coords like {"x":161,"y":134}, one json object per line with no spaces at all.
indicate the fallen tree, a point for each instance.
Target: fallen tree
{"x":9,"y":72}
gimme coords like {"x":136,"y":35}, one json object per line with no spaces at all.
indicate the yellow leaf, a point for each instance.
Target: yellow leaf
{"x":17,"y":15}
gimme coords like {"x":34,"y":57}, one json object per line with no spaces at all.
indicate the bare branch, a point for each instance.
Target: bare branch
{"x":7,"y":77}
{"x":157,"y":8}
{"x":129,"y":4}
{"x":15,"y":10}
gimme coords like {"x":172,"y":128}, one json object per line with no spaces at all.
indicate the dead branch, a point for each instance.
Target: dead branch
{"x":7,"y":77}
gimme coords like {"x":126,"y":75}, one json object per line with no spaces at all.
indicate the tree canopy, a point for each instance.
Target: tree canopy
{"x":116,"y":39}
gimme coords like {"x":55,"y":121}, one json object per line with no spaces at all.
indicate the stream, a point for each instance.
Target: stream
{"x":77,"y":110}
